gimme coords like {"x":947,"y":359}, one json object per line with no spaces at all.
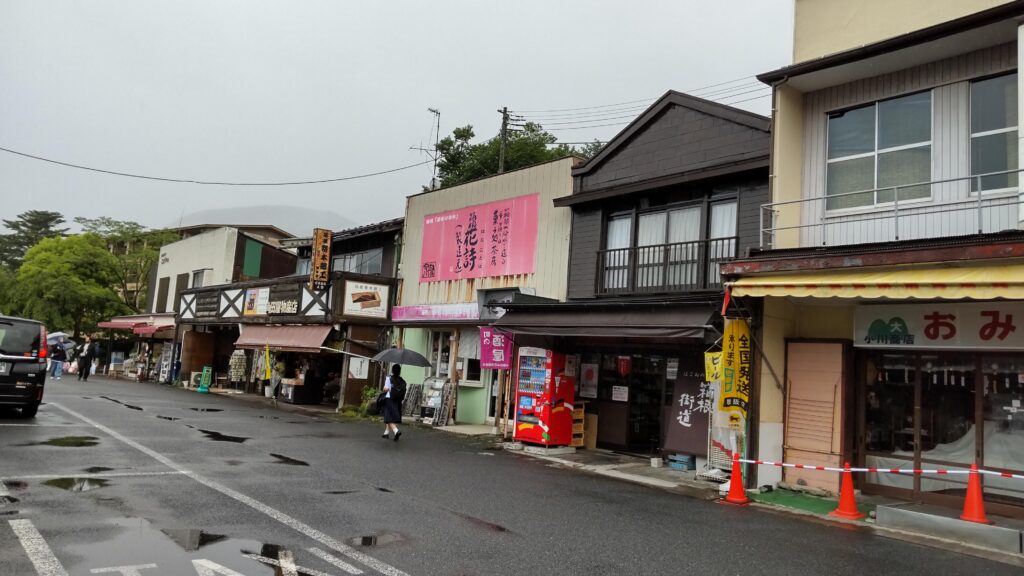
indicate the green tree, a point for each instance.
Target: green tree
{"x":137,"y":250}
{"x":7,"y":305}
{"x":27,"y":229}
{"x":461,"y":161}
{"x":67,"y":283}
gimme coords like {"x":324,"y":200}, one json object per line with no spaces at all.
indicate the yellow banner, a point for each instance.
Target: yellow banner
{"x":736,"y":367}
{"x":712,"y":366}
{"x":266,"y":362}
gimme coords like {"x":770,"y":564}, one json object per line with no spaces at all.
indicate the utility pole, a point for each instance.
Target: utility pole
{"x":504,"y":139}
{"x":432,"y":152}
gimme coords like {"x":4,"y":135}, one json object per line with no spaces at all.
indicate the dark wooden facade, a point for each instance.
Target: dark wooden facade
{"x":683,"y":152}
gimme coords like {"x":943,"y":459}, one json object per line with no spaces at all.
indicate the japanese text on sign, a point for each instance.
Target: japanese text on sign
{"x":493,"y":239}
{"x":495,"y":349}
{"x":320,"y":263}
{"x":736,"y":365}
{"x":989,"y":325}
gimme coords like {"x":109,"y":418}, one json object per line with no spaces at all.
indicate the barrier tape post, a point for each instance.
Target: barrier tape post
{"x":847,"y":508}
{"x":737,"y":494}
{"x":974,"y":504}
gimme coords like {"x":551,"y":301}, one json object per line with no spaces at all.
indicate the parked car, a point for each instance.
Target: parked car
{"x":23,"y":355}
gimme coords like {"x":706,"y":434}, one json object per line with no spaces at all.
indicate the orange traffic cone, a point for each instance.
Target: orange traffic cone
{"x":974,"y":505}
{"x":737,"y":495}
{"x":847,"y":501}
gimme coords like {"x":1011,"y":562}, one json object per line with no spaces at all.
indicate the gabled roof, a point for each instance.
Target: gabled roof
{"x":275,"y":229}
{"x":672,"y":98}
{"x":393,"y":225}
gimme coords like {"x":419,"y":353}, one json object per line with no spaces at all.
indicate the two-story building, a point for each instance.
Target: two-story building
{"x":890,"y":271}
{"x":674,"y":194}
{"x":320,"y":333}
{"x":496,"y":238}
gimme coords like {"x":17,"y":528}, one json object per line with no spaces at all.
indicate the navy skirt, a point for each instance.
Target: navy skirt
{"x":392,"y":411}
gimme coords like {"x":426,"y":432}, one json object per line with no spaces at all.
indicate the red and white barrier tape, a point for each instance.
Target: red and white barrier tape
{"x":912,"y":471}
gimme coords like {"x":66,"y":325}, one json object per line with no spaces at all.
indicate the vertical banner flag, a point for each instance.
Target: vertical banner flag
{"x":320,"y":263}
{"x":266,"y":362}
{"x":736,"y":362}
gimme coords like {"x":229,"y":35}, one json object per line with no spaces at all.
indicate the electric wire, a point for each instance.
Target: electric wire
{"x":209,"y":182}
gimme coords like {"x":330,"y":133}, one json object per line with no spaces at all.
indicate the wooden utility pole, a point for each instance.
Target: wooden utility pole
{"x":504,"y":139}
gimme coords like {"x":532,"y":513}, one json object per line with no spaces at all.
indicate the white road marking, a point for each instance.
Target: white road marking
{"x":208,"y":568}
{"x":93,"y":475}
{"x":281,"y":517}
{"x":331,"y":559}
{"x":287,"y":560}
{"x":279,"y":564}
{"x":37,"y":549}
{"x":124,"y":570}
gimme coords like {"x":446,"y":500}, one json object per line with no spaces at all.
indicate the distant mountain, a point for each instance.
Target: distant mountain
{"x":295,"y":219}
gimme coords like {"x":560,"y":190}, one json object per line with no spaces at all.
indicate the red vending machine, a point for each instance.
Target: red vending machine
{"x":544,"y":397}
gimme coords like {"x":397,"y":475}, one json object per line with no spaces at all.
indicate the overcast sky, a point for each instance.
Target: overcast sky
{"x":253,"y":90}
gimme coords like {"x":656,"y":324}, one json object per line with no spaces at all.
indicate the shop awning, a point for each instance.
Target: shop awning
{"x":658,"y":322}
{"x":116,"y":325}
{"x":283,"y":338}
{"x":976,"y":282}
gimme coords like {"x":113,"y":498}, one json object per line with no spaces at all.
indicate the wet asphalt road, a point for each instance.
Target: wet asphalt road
{"x":175,"y":483}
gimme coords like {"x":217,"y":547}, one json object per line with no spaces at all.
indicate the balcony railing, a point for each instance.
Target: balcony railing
{"x":662,"y":268}
{"x":934,"y":209}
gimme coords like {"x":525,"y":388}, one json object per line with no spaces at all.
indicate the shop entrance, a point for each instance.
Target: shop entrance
{"x":630,"y":400}
{"x":942,"y":410}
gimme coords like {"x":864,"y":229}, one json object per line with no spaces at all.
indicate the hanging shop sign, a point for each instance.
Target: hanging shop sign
{"x":495,"y":349}
{"x":624,"y":365}
{"x":493,"y":239}
{"x":968,"y":325}
{"x":365,"y":300}
{"x":320,"y":263}
{"x":256,"y":300}
{"x":687,"y":419}
{"x":736,"y":360}
{"x":358,"y":368}
{"x":712,"y":366}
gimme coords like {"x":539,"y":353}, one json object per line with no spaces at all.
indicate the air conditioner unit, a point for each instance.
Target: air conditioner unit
{"x":195,"y":380}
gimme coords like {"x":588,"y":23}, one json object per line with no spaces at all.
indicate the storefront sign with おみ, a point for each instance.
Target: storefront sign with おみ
{"x":495,"y":349}
{"x":736,"y":364}
{"x":962,"y":325}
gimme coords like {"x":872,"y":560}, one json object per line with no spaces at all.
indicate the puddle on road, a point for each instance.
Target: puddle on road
{"x":69,"y":442}
{"x":480,"y":522}
{"x":192,"y":539}
{"x":206,"y":409}
{"x":384,"y":490}
{"x":340,"y":492}
{"x":234,"y":462}
{"x":78,"y":484}
{"x":377,"y":539}
{"x":137,"y":541}
{"x":5,"y":500}
{"x":270,"y":417}
{"x":167,"y":418}
{"x":97,"y":469}
{"x":10,"y":512}
{"x":218,"y":437}
{"x":15,"y":484}
{"x":121,"y":403}
{"x":290,"y":461}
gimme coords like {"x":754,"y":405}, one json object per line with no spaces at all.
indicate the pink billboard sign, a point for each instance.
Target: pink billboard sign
{"x":493,"y":239}
{"x":495,"y":349}
{"x":435,"y":312}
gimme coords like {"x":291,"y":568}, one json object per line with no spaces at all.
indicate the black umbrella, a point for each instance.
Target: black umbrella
{"x":402,"y":356}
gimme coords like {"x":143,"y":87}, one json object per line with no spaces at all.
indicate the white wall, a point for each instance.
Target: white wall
{"x":213,"y":251}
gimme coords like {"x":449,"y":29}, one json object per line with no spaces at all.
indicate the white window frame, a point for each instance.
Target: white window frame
{"x":875,"y":205}
{"x":973,"y":135}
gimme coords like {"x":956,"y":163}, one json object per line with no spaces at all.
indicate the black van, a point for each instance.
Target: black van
{"x":22,"y":364}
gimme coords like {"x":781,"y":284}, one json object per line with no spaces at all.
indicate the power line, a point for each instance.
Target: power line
{"x":208,"y":182}
{"x":689,"y":91}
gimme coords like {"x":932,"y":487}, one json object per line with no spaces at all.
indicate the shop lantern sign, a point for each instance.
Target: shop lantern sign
{"x":495,"y":349}
{"x":493,"y":239}
{"x":320,"y":263}
{"x":736,"y":364}
{"x":974,"y":325}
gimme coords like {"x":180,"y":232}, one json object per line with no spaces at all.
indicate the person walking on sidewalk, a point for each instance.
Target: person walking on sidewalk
{"x":86,"y":353}
{"x":394,"y":394}
{"x":57,"y":358}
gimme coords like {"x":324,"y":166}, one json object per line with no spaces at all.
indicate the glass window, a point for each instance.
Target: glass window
{"x":302,"y":266}
{"x":994,"y":132}
{"x":684,"y":252}
{"x":472,"y":370}
{"x":722,"y":238}
{"x":879,"y":146}
{"x":1003,"y":421}
{"x":650,"y":239}
{"x":616,"y":265}
{"x":197,"y":279}
{"x":365,"y":262}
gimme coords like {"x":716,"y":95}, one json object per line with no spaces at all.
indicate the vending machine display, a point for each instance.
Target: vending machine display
{"x":544,"y":397}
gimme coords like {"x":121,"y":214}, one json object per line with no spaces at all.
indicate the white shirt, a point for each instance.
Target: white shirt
{"x":387,"y":387}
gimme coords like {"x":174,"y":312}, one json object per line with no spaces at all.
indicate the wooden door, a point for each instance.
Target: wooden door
{"x":815,"y":374}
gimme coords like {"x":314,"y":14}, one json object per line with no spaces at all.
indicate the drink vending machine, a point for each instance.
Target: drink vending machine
{"x":544,"y":398}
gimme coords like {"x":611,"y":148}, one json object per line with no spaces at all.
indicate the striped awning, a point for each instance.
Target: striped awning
{"x":975,"y":282}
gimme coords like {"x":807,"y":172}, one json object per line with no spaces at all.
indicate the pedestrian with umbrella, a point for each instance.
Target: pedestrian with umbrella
{"x":395,"y":387}
{"x":58,"y":356}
